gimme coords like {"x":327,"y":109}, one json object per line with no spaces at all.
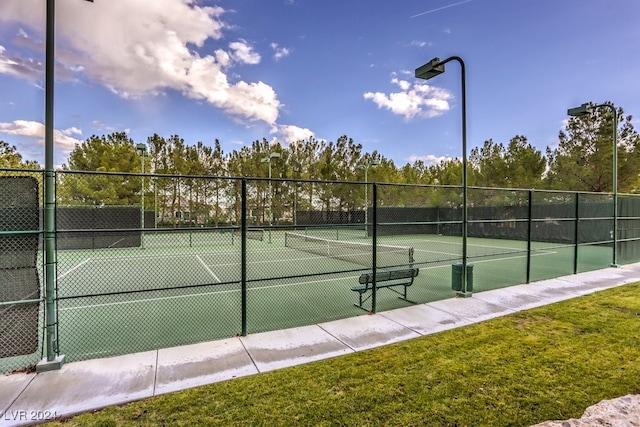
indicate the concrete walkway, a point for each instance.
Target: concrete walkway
{"x":78,"y":387}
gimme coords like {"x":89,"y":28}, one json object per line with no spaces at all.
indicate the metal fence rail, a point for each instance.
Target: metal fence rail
{"x":172,"y":260}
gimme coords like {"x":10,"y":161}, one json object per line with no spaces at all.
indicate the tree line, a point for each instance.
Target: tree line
{"x":581,"y":161}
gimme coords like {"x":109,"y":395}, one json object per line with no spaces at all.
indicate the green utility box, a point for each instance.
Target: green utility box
{"x":456,"y":277}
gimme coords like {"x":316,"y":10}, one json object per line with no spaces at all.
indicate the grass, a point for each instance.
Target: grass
{"x":547,"y":363}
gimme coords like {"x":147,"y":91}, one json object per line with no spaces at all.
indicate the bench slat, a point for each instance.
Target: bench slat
{"x":366,"y":287}
{"x":383,"y":276}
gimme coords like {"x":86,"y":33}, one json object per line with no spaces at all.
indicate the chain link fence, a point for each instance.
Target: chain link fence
{"x":153,"y":261}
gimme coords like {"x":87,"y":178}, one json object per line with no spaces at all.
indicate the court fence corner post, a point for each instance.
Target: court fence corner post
{"x":529,"y":233}
{"x":243,"y":255}
{"x":374,"y":248}
{"x":576,"y":233}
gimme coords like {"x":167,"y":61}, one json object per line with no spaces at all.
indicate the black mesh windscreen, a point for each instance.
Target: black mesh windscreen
{"x":19,"y":222}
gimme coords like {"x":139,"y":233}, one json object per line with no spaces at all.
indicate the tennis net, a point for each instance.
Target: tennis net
{"x":354,"y":252}
{"x":252,"y":234}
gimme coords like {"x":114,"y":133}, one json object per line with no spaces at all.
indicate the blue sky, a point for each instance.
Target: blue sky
{"x":283,"y":70}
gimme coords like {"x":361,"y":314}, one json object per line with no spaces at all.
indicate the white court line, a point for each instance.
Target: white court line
{"x":435,"y":252}
{"x":80,"y":307}
{"x":491,"y":260}
{"x":540,"y":252}
{"x":115,"y":243}
{"x":263,"y":287}
{"x":271,"y":261}
{"x":471,"y":245}
{"x":74,"y":268}
{"x":208,"y":269}
{"x":148,"y":256}
{"x":197,"y":256}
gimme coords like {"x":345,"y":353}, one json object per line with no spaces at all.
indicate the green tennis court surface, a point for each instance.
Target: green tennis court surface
{"x":187,"y":288}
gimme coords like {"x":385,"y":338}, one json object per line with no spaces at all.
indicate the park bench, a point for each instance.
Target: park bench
{"x":385,"y":279}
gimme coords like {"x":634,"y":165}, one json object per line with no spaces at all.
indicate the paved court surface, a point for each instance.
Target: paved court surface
{"x":84,"y":386}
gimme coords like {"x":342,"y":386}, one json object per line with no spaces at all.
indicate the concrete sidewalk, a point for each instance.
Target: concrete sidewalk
{"x":84,"y":386}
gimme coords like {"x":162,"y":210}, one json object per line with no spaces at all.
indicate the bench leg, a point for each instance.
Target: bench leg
{"x":362,"y":308}
{"x":362,"y":301}
{"x":403,"y":295}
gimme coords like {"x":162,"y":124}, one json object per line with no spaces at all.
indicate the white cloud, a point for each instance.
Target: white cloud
{"x":223,"y":58}
{"x":291,"y":133}
{"x":419,"y":43}
{"x":27,"y":68}
{"x":404,"y":85}
{"x":63,"y":139}
{"x":429,"y":159}
{"x":144,"y":47}
{"x":244,"y":53}
{"x":413,"y":100}
{"x":281,"y":52}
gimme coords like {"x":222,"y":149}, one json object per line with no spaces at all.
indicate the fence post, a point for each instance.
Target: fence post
{"x":243,"y":256}
{"x":530,"y":223}
{"x":374,"y":261}
{"x":575,"y":235}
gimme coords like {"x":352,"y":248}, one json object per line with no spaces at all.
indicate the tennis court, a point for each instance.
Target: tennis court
{"x":133,"y":277}
{"x":186,"y":287}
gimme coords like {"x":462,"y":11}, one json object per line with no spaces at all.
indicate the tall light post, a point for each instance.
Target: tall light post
{"x":366,"y":166}
{"x":54,"y":361}
{"x":586,"y":109}
{"x":428,"y":71}
{"x":142,"y":151}
{"x":268,"y":160}
{"x":155,"y":202}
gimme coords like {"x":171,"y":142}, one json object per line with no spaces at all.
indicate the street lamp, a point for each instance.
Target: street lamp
{"x":142,"y":151}
{"x":366,"y":166}
{"x":54,"y":361}
{"x":586,"y":109}
{"x":268,"y":160}
{"x":428,"y":71}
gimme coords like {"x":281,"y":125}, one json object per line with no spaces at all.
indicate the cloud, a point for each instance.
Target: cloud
{"x":429,"y":159}
{"x":281,"y":52}
{"x":243,"y":53}
{"x":102,"y":126}
{"x":291,"y":133}
{"x":27,"y":68}
{"x":413,"y":100}
{"x":139,"y":47}
{"x":419,"y":43}
{"x":63,"y":139}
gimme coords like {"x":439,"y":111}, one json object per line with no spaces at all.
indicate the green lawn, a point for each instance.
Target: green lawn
{"x":547,"y":363}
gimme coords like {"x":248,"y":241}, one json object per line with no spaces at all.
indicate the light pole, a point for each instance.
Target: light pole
{"x":366,"y":166}
{"x":54,"y":361}
{"x":268,"y":160}
{"x":428,"y":71}
{"x":142,"y":151}
{"x":586,"y":109}
{"x":155,"y":202}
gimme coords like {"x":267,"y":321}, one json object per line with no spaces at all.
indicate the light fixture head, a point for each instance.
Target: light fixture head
{"x":430,"y":69}
{"x":141,"y":148}
{"x":271,"y":156}
{"x":582,"y":110}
